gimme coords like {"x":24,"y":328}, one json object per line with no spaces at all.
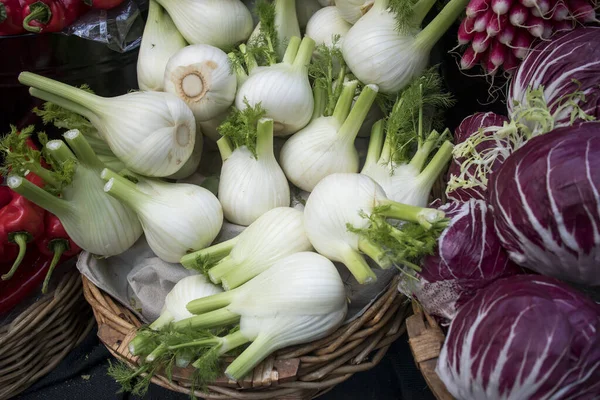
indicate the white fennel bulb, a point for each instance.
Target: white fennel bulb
{"x":353,"y":10}
{"x":275,"y":235}
{"x":95,"y":221}
{"x":326,"y":145}
{"x":201,"y":76}
{"x":251,"y":181}
{"x":405,"y":175}
{"x":339,"y":216}
{"x":389,"y":49}
{"x":177,"y":218}
{"x":191,"y":165}
{"x":219,"y":23}
{"x":282,"y":89}
{"x":152,"y":133}
{"x":327,"y":24}
{"x":160,"y":41}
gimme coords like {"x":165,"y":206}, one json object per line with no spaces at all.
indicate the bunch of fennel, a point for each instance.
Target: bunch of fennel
{"x":299,"y":299}
{"x":177,"y":218}
{"x":251,"y":182}
{"x":95,"y":221}
{"x":152,"y":133}
{"x":275,"y":235}
{"x":397,"y":161}
{"x":347,"y":214}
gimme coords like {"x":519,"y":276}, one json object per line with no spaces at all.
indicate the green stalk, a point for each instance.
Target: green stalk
{"x":386,"y":152}
{"x":157,"y":352}
{"x":224,"y":266}
{"x":213,"y":341}
{"x":43,"y":173}
{"x":422,"y":153}
{"x":264,"y":139}
{"x":305,"y":52}
{"x":374,"y":252}
{"x":226,"y":343}
{"x":143,"y":343}
{"x":420,"y":10}
{"x":436,"y":165}
{"x":84,"y":152}
{"x":249,"y":58}
{"x":428,"y":37}
{"x":39,"y":196}
{"x":64,"y":103}
{"x":60,"y":152}
{"x":357,"y":265}
{"x":209,"y":255}
{"x":209,"y":303}
{"x":213,"y":319}
{"x":75,"y":95}
{"x":126,"y":192}
{"x":20,"y":239}
{"x":163,"y":320}
{"x":375,"y":144}
{"x":423,"y":216}
{"x":292,"y":50}
{"x":225,"y":148}
{"x":319,"y":96}
{"x":359,"y":112}
{"x":344,"y":102}
{"x":258,"y":350}
{"x":59,"y":248}
{"x":238,"y":277}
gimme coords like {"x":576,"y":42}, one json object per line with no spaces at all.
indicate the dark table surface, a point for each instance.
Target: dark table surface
{"x":82,"y":375}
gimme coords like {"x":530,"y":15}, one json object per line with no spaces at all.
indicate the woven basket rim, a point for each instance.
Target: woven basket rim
{"x":42,"y":335}
{"x":299,"y":372}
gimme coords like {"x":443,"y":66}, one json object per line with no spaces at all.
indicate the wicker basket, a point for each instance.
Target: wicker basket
{"x":42,"y":335}
{"x":301,"y":372}
{"x":426,"y":340}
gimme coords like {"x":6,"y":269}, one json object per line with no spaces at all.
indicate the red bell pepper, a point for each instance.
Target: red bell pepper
{"x":55,"y":243}
{"x":104,"y":4}
{"x":11,"y":17}
{"x":26,"y":280}
{"x":41,"y":16}
{"x":5,"y":196}
{"x":21,"y":222}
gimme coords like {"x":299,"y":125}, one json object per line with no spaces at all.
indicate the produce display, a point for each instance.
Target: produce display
{"x":494,"y":228}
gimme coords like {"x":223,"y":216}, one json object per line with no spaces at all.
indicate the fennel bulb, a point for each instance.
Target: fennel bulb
{"x":95,"y":221}
{"x":219,"y":23}
{"x":327,"y":24}
{"x":160,"y":41}
{"x":275,"y":235}
{"x":252,"y":181}
{"x":282,"y":20}
{"x":346,"y":214}
{"x":353,"y":10}
{"x":177,"y":218}
{"x":298,"y":300}
{"x":191,"y":165}
{"x":282,"y":89}
{"x":391,"y":162}
{"x":201,"y":76}
{"x":326,"y":145}
{"x":153,"y":133}
{"x":378,"y":52}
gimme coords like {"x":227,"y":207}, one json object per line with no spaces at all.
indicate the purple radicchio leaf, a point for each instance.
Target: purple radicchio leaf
{"x":524,"y":337}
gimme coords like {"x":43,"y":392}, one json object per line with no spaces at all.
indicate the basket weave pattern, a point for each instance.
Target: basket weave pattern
{"x":300,"y":372}
{"x":42,"y":335}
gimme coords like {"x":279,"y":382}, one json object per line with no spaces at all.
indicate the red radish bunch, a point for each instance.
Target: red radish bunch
{"x":499,"y":33}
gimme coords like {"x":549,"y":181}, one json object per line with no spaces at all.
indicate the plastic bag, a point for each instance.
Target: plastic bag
{"x":121,"y":28}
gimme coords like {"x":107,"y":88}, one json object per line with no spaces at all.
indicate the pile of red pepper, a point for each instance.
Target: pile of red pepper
{"x":39,"y":16}
{"x":32,"y":242}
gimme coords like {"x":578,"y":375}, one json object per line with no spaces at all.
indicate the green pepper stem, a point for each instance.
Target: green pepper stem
{"x":258,"y":350}
{"x":39,"y":12}
{"x":264,"y":139}
{"x":352,"y":124}
{"x":224,"y":266}
{"x":225,"y":148}
{"x":305,"y":52}
{"x":208,"y":255}
{"x":59,"y":246}
{"x":210,"y":303}
{"x":375,"y":144}
{"x":428,"y":37}
{"x":292,"y":50}
{"x":212,"y":319}
{"x":84,"y":152}
{"x":357,"y":265}
{"x":344,"y":102}
{"x":20,"y":239}
{"x":39,"y":196}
